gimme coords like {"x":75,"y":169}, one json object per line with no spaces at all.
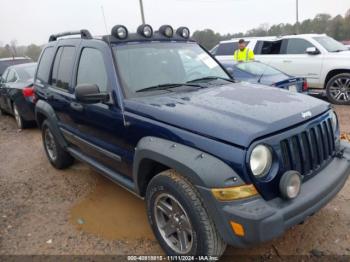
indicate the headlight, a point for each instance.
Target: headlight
{"x":334,"y":121}
{"x":260,"y":160}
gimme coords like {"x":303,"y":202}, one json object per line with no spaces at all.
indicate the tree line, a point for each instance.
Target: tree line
{"x":337,"y":27}
{"x":12,"y":50}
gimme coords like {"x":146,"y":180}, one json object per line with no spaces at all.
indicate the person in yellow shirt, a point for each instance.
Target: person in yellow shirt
{"x":243,"y":54}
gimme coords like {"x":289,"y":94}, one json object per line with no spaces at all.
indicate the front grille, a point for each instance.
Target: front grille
{"x":308,"y":151}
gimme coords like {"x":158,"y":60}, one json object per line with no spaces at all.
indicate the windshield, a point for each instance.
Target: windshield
{"x":257,"y":68}
{"x":330,"y":44}
{"x":143,"y":65}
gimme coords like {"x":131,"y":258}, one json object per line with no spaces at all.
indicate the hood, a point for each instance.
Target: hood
{"x":343,"y":54}
{"x":237,"y":113}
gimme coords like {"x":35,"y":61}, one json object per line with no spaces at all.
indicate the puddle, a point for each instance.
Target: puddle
{"x":112,"y":212}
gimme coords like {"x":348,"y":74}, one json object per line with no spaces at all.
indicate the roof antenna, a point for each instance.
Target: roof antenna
{"x":104,"y":18}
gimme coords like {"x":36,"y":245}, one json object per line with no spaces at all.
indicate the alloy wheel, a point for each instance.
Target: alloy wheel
{"x":173,"y":223}
{"x":340,"y":89}
{"x":50,"y":144}
{"x":17,"y":117}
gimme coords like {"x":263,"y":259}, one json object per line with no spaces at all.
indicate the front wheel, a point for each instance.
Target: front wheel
{"x":338,"y":89}
{"x":179,"y":219}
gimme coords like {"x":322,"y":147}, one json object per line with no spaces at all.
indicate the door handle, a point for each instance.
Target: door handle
{"x":76,"y":106}
{"x":287,"y":61}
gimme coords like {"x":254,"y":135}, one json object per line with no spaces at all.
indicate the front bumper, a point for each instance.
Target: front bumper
{"x":264,"y":220}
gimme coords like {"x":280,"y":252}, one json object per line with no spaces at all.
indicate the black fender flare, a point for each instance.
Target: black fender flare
{"x":44,"y":108}
{"x":200,"y":168}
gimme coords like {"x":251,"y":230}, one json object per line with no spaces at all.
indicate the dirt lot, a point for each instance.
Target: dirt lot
{"x":76,"y":211}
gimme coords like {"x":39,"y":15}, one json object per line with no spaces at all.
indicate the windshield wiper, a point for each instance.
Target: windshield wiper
{"x":338,"y":50}
{"x":166,"y":86}
{"x":210,"y":78}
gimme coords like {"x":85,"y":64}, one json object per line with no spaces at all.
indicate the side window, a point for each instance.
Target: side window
{"x":297,"y":46}
{"x":92,"y":69}
{"x":270,"y":47}
{"x":227,"y":48}
{"x":11,"y":77}
{"x":45,"y":65}
{"x":63,"y":67}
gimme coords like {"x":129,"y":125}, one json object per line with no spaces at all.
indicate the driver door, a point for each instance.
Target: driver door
{"x":296,"y":62}
{"x":99,"y":127}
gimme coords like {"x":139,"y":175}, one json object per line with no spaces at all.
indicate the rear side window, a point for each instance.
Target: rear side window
{"x":269,"y":47}
{"x":92,"y":69}
{"x":63,"y":67}
{"x":11,"y":77}
{"x":297,"y":46}
{"x":226,"y":49}
{"x":45,"y":65}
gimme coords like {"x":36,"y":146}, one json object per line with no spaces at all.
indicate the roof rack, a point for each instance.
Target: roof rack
{"x":85,"y":34}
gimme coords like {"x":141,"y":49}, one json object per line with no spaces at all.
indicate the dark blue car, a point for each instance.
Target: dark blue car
{"x":217,"y":162}
{"x":17,"y":94}
{"x":260,"y":73}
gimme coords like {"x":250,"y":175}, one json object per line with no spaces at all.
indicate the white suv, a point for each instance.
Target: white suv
{"x":321,"y":59}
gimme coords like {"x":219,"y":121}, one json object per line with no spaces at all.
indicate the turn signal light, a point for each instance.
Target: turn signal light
{"x":237,"y":228}
{"x":233,"y":193}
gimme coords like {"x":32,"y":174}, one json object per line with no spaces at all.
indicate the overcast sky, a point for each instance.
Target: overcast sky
{"x":32,"y":21}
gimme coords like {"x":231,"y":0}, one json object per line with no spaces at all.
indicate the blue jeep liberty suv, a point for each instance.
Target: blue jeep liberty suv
{"x":218,"y":162}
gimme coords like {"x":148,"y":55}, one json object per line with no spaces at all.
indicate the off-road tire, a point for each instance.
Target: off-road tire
{"x":62,"y":158}
{"x":206,"y":239}
{"x":331,"y":82}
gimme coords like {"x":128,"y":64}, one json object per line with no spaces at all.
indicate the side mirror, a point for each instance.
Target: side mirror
{"x":90,"y":94}
{"x":312,"y":51}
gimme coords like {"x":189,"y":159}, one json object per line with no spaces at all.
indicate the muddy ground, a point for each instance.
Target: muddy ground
{"x":77,"y":211}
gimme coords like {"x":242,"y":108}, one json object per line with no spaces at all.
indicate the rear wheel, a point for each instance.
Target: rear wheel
{"x":338,"y":89}
{"x":56,"y":154}
{"x":179,"y":219}
{"x":21,"y":123}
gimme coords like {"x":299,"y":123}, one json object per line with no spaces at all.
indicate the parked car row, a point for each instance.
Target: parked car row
{"x":217,"y":161}
{"x":320,"y":59}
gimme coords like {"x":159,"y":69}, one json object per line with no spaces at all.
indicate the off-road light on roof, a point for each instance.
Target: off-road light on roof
{"x":166,"y":30}
{"x":145,"y":30}
{"x":120,"y":32}
{"x":183,"y":32}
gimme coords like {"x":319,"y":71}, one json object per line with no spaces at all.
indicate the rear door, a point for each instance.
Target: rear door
{"x":60,"y":90}
{"x":2,"y":89}
{"x":11,"y":78}
{"x":269,"y":52}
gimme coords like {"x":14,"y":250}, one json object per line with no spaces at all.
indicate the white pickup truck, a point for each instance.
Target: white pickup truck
{"x":321,"y":59}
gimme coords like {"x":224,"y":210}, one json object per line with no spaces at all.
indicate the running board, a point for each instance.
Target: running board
{"x":121,"y":180}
